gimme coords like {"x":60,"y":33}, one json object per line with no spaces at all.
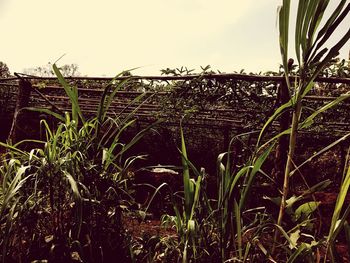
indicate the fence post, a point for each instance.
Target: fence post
{"x":281,"y":153}
{"x":23,"y":95}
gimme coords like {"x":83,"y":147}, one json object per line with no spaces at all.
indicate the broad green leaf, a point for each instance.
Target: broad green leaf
{"x":290,"y":201}
{"x":306,"y":209}
{"x":188,"y":186}
{"x":294,"y":237}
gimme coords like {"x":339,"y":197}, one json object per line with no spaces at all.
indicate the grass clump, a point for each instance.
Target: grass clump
{"x":63,"y":201}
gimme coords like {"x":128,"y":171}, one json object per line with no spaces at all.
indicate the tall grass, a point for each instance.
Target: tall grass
{"x":66,"y":198}
{"x":226,"y":214}
{"x":212,"y":230}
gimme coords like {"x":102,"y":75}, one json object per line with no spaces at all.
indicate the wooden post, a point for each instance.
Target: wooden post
{"x":281,"y":153}
{"x":23,"y":95}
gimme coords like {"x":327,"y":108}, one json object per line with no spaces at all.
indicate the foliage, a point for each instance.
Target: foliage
{"x":4,"y":70}
{"x":5,"y":94}
{"x":203,"y":94}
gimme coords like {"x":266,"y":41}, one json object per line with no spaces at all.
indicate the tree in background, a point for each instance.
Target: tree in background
{"x":67,"y":70}
{"x":4,"y":70}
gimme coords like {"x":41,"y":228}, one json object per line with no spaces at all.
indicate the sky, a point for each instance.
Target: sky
{"x":106,"y":37}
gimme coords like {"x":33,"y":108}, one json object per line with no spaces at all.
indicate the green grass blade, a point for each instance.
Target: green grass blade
{"x":106,"y":98}
{"x":284,"y":32}
{"x":323,"y":150}
{"x":78,"y":201}
{"x":295,"y":255}
{"x":196,"y":196}
{"x":339,"y":205}
{"x":14,"y":186}
{"x":316,"y":19}
{"x":188,"y":185}
{"x":237,"y":213}
{"x":72,"y":93}
{"x":256,"y":167}
{"x":332,"y":23}
{"x":137,"y":138}
{"x":310,"y":119}
{"x":299,"y":25}
{"x":153,"y":196}
{"x":46,"y":111}
{"x":310,"y":13}
{"x":333,"y":52}
{"x":277,"y":113}
{"x":13,"y":148}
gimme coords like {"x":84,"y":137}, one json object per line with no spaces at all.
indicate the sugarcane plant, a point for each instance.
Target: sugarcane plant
{"x":312,"y":31}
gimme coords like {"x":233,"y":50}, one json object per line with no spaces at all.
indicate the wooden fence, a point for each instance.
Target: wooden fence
{"x":248,"y":101}
{"x":47,"y":93}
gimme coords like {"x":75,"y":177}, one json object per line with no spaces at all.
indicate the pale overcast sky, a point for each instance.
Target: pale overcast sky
{"x":107,"y":36}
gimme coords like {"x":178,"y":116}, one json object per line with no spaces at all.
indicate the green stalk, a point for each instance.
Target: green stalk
{"x":309,"y":16}
{"x":292,"y":144}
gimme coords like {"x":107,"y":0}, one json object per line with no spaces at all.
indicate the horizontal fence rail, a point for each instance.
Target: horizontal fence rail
{"x":250,"y":99}
{"x":222,"y":76}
